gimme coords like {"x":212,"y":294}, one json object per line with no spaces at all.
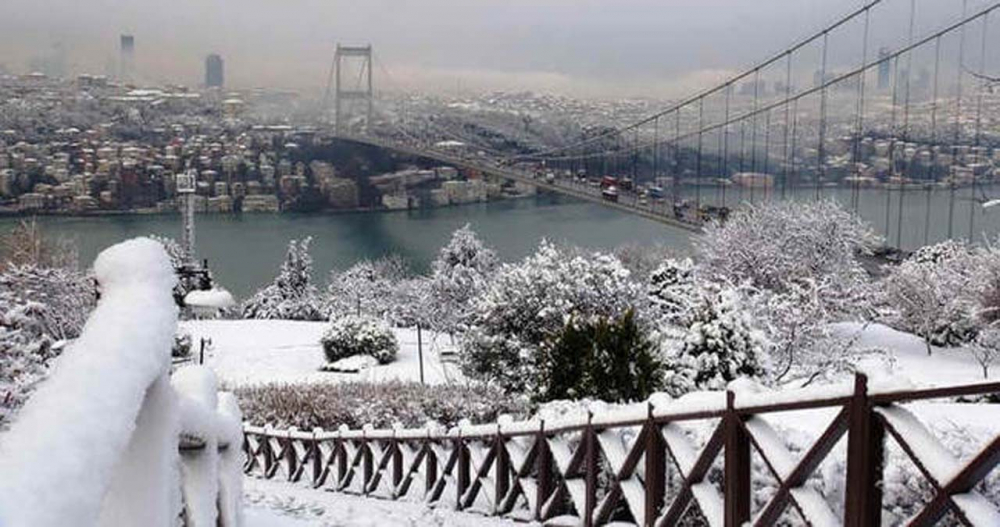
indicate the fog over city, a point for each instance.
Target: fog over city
{"x":582,"y":47}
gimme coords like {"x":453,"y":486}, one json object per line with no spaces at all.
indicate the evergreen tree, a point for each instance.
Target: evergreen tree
{"x":717,"y":343}
{"x":607,"y":359}
{"x":460,"y":273}
{"x":291,"y":296}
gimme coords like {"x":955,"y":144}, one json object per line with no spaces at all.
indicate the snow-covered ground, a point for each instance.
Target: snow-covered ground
{"x":259,"y":351}
{"x":946,"y":366}
{"x":281,"y":504}
{"x":245,"y":352}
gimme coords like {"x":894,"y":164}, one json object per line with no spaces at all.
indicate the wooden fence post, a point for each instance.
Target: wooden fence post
{"x":543,"y":463}
{"x":291,"y":456}
{"x":317,"y":458}
{"x":865,"y":457}
{"x":736,"y":478}
{"x":463,"y":470}
{"x":655,"y":470}
{"x":268,"y":456}
{"x":397,"y":463}
{"x":366,"y":463}
{"x":590,"y":443}
{"x":431,"y":467}
{"x":502,"y":472}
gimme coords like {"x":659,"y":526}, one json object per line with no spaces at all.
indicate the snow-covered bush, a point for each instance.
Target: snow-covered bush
{"x":351,"y":335}
{"x":776,"y":243}
{"x":291,"y":296}
{"x":39,"y":308}
{"x":366,"y":288}
{"x":716,"y":342}
{"x":936,"y":293}
{"x":382,"y":405}
{"x":525,"y":304}
{"x":460,"y":273}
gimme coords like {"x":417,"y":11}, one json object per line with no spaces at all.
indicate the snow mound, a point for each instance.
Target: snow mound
{"x":352,"y":364}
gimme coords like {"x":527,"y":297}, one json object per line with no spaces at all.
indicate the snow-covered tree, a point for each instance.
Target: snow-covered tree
{"x":771,"y":245}
{"x":986,"y":349}
{"x":39,"y":308}
{"x":367,"y":287}
{"x":291,"y":296}
{"x":460,"y":273}
{"x":718,"y":342}
{"x":935,"y":293}
{"x":525,"y":304}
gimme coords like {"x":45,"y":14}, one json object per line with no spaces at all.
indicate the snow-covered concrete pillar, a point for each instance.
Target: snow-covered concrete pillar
{"x":96,"y":430}
{"x":211,"y":449}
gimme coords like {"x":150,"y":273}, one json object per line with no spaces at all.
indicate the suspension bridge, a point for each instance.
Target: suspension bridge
{"x":889,"y":104}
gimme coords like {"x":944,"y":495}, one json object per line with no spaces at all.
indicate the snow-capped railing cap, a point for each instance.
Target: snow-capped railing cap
{"x":634,"y":412}
{"x":380,"y":433}
{"x":299,"y":434}
{"x":746,"y":399}
{"x":567,"y":422}
{"x":412,"y":433}
{"x":521,"y":427}
{"x":694,"y":402}
{"x":352,"y":434}
{"x":257,"y":430}
{"x":479,"y":430}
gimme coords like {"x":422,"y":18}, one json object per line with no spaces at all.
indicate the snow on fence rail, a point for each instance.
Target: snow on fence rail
{"x":647,"y":467}
{"x":111,"y":438}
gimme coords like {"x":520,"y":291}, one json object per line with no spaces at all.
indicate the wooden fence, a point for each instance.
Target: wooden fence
{"x":650,"y":467}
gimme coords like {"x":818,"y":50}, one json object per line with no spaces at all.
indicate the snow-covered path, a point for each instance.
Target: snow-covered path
{"x":280,"y":504}
{"x":283,"y":351}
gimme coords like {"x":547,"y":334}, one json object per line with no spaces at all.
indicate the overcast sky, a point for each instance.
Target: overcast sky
{"x":576,"y":46}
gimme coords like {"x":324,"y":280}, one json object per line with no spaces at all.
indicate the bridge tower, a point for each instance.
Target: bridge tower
{"x":362,"y":91}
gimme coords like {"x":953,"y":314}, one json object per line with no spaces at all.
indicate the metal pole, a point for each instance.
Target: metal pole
{"x":420,"y":353}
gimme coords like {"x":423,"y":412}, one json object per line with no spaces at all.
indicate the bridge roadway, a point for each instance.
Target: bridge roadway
{"x":629,"y":202}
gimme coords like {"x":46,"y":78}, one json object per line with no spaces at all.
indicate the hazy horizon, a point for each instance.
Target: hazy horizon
{"x":580,"y":47}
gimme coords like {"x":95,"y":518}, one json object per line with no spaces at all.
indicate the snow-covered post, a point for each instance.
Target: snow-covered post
{"x":737,"y":466}
{"x":211,"y":465}
{"x":97,"y":444}
{"x":865,"y":456}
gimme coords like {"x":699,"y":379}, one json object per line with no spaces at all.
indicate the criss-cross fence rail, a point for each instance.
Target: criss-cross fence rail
{"x":651,"y":466}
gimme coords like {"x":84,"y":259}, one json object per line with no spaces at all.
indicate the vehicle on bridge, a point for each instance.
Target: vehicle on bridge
{"x":655,"y":192}
{"x":610,"y":193}
{"x":609,"y":181}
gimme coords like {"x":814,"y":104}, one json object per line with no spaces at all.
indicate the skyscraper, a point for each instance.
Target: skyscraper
{"x":126,"y":61}
{"x":214,"y":71}
{"x":883,"y":69}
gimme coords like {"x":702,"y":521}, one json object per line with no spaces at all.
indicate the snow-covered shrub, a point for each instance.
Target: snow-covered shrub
{"x":39,"y":308}
{"x":291,"y":296}
{"x":612,"y":360}
{"x":525,"y":304}
{"x":716,"y":343}
{"x":935,"y":293}
{"x":351,"y":335}
{"x":460,"y":273}
{"x":986,"y":349}
{"x":779,"y":242}
{"x":366,"y":288}
{"x":382,"y":405}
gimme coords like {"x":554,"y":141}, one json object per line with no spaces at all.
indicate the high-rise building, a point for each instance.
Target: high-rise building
{"x":214,"y":73}
{"x":126,"y":60}
{"x":883,"y":69}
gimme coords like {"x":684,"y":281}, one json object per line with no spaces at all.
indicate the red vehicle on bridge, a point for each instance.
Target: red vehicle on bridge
{"x":609,"y":181}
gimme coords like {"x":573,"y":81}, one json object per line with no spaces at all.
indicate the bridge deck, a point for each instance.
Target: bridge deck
{"x":662,"y":212}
